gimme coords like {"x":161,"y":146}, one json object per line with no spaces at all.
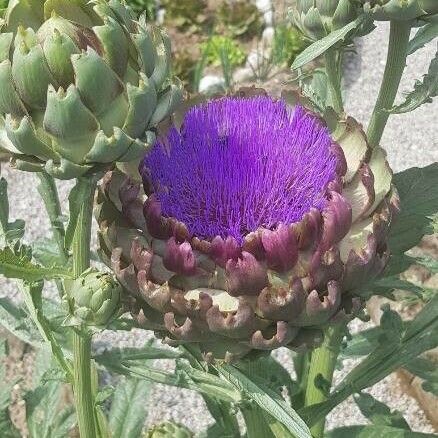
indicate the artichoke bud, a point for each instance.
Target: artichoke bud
{"x":94,"y":299}
{"x":87,"y":61}
{"x":398,"y":10}
{"x":317,"y":18}
{"x":169,"y":430}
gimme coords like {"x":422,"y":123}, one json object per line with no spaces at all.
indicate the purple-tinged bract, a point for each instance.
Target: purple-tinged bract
{"x":241,"y":164}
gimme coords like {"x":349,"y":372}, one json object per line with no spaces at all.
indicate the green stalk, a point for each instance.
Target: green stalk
{"x":83,"y":392}
{"x":49,"y":194}
{"x":256,"y":425}
{"x":323,"y":364}
{"x":395,"y":65}
{"x":334,"y":80}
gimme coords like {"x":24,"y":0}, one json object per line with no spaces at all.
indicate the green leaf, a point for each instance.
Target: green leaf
{"x":398,"y":345}
{"x":148,"y":352}
{"x":423,"y":91}
{"x":324,"y":44}
{"x":426,"y":370}
{"x":255,"y":389}
{"x":46,"y":413}
{"x":16,"y":320}
{"x":128,"y":408}
{"x":7,"y":428}
{"x":9,"y":231}
{"x":16,"y":263}
{"x":419,"y":202}
{"x":423,"y":36}
{"x":46,"y":252}
{"x":385,"y":287}
{"x":429,"y":263}
{"x":375,"y":432}
{"x":378,"y":413}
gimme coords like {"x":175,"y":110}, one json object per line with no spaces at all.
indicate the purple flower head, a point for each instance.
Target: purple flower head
{"x":239,"y":164}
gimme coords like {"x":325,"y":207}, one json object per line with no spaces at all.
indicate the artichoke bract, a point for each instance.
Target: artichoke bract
{"x":256,"y":226}
{"x":93,"y":299}
{"x":82,"y":85}
{"x":317,"y":18}
{"x":385,"y":10}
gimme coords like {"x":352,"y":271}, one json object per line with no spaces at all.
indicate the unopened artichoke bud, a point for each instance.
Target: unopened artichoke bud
{"x":94,"y":299}
{"x":82,"y":85}
{"x":401,"y":10}
{"x":317,"y":18}
{"x":264,"y":234}
{"x":169,"y":430}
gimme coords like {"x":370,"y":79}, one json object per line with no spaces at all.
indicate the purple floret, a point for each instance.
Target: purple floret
{"x":240,"y":164}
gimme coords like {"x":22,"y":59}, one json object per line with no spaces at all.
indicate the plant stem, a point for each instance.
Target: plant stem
{"x":84,"y":398}
{"x":395,"y":65}
{"x":256,"y":425}
{"x":323,"y":364}
{"x":49,"y":195}
{"x":334,"y":80}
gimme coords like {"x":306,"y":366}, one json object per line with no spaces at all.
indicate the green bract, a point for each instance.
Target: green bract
{"x":400,"y":9}
{"x":94,"y":299}
{"x":317,"y":18}
{"x":81,"y":85}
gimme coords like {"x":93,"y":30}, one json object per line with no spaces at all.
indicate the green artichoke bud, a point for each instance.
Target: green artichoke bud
{"x":317,"y":18}
{"x":384,"y":10}
{"x":217,"y":254}
{"x":94,"y":299}
{"x":82,"y":85}
{"x":169,"y":430}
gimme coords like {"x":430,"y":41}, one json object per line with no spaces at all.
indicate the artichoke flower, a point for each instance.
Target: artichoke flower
{"x":93,"y":299}
{"x":317,"y":18}
{"x":169,"y":430}
{"x":82,"y":85}
{"x":385,"y":10}
{"x":255,"y":229}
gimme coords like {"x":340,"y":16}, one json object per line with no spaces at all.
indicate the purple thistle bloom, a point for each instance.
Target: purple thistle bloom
{"x":239,"y":164}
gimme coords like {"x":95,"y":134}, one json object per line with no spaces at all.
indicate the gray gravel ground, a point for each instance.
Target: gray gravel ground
{"x":410,"y":141}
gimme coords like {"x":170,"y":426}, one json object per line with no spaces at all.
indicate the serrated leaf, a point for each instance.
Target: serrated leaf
{"x":418,"y":192}
{"x":324,"y":44}
{"x":395,"y":350}
{"x":375,"y":432}
{"x":424,"y":35}
{"x":254,"y":389}
{"x":378,"y":413}
{"x":423,"y":91}
{"x":16,"y":263}
{"x":46,"y":413}
{"x":128,"y":408}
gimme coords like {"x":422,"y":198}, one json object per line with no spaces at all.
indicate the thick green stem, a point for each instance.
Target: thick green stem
{"x":322,"y":366}
{"x":82,"y":385}
{"x":334,"y":80}
{"x":395,"y":65}
{"x":83,"y":391}
{"x":256,"y":425}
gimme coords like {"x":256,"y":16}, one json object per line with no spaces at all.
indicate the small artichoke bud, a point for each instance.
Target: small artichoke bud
{"x":94,"y":298}
{"x":402,"y":10}
{"x":169,"y":430}
{"x":316,"y":19}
